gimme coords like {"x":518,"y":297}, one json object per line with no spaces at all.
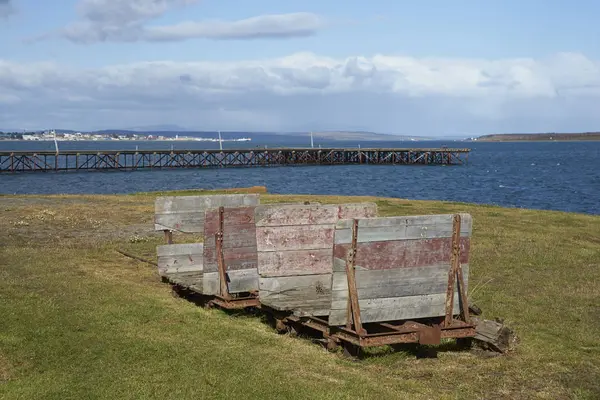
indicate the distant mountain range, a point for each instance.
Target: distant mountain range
{"x":518,"y":137}
{"x":329,"y":136}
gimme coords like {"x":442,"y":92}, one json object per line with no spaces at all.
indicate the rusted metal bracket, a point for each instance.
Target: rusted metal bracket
{"x":454,"y":273}
{"x":353,"y":306}
{"x":223,"y":289}
{"x":464,"y":302}
{"x":430,"y":335}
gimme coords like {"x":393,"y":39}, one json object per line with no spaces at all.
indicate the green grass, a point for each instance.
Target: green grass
{"x":81,"y":321}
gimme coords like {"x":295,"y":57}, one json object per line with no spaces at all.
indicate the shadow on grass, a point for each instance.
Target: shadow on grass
{"x":303,"y":332}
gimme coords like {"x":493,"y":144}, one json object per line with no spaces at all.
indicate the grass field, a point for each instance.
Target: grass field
{"x":80,"y":321}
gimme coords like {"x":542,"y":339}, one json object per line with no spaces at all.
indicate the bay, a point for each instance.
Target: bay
{"x":561,"y":176}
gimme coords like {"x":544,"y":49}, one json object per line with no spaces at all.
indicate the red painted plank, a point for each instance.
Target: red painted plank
{"x":232,"y":217}
{"x":235,"y":258}
{"x":239,"y":238}
{"x":403,"y":253}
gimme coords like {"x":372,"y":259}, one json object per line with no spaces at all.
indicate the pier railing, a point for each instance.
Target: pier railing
{"x":23,"y":161}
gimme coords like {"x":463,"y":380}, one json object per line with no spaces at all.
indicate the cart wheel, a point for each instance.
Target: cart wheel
{"x":352,"y":351}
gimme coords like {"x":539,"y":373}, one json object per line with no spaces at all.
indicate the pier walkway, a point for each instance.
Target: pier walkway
{"x":24,"y":161}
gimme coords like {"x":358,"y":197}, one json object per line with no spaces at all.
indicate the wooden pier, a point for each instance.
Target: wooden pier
{"x":30,"y":161}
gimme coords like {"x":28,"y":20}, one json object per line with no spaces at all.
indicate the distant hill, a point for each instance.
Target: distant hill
{"x":158,"y":128}
{"x":305,"y":136}
{"x":517,"y":137}
{"x":360,"y":135}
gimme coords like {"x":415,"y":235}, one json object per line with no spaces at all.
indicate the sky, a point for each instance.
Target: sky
{"x":428,"y":68}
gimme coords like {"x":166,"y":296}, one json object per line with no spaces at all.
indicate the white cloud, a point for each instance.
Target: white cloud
{"x":264,"y":26}
{"x":128,"y":21}
{"x":305,"y":91}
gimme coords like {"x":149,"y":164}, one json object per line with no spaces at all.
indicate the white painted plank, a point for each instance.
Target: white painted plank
{"x":291,"y":238}
{"x":294,"y":262}
{"x":243,"y":280}
{"x":392,"y":309}
{"x":399,"y":231}
{"x":306,"y":293}
{"x":408,"y":220}
{"x":178,"y":249}
{"x":395,"y":283}
{"x":175,"y":258}
{"x":186,"y":213}
{"x":300,"y":214}
{"x":295,"y":214}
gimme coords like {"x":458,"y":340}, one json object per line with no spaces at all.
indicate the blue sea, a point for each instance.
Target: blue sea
{"x":540,"y":175}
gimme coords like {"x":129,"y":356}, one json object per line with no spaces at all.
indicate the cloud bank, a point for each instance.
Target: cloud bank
{"x":306,"y":91}
{"x":129,"y":21}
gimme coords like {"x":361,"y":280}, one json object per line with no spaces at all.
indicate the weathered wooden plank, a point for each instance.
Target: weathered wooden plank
{"x":392,"y":309}
{"x":295,"y":248}
{"x":295,"y":214}
{"x":292,"y":214}
{"x":402,"y":266}
{"x":409,"y":220}
{"x":357,"y":210}
{"x":395,"y":282}
{"x":233,"y":217}
{"x":305,"y":293}
{"x":232,"y":240}
{"x":235,"y":258}
{"x":177,"y":249}
{"x":399,"y":232}
{"x":318,"y":283}
{"x":244,"y":280}
{"x":292,"y":238}
{"x":402,"y":253}
{"x":401,"y":228}
{"x":180,"y":257}
{"x":493,"y":335}
{"x":186,"y":213}
{"x":239,"y":244}
{"x":187,"y":279}
{"x":294,"y":262}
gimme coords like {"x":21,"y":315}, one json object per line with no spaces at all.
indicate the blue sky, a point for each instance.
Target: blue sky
{"x":428,"y":68}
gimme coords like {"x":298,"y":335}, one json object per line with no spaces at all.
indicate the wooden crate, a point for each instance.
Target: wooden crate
{"x":182,"y":264}
{"x":295,"y":254}
{"x":401,"y":267}
{"x":186,"y":213}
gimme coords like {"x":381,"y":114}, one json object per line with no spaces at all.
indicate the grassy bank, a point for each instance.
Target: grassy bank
{"x":79,"y":320}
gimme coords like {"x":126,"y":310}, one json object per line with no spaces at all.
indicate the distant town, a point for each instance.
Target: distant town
{"x":52,"y":135}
